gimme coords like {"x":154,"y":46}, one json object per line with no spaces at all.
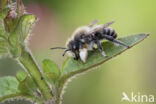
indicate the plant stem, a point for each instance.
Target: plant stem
{"x":29,"y":64}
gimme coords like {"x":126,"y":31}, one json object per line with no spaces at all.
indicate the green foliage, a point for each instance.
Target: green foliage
{"x":51,"y":77}
{"x":21,"y":75}
{"x":3,"y":34}
{"x":27,"y":86}
{"x":4,"y":4}
{"x":8,"y":85}
{"x":51,"y":71}
{"x":22,"y":30}
{"x":50,"y":66}
{"x":3,"y":47}
{"x":17,"y":100}
{"x":3,"y":13}
{"x":15,"y":27}
{"x":25,"y":25}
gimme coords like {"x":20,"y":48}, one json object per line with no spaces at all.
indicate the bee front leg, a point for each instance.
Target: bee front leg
{"x":100,"y":48}
{"x":76,"y":56}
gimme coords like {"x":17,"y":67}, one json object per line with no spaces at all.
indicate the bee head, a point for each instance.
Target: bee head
{"x":73,"y":45}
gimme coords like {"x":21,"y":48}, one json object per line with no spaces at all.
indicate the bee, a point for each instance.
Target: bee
{"x":85,"y":39}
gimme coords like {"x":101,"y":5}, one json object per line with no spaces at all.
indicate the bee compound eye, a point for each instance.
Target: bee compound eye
{"x":74,"y":46}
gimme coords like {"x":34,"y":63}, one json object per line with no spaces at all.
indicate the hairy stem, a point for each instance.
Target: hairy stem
{"x":29,"y":64}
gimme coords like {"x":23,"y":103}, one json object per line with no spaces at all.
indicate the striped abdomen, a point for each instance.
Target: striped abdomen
{"x":109,"y":31}
{"x":106,"y":31}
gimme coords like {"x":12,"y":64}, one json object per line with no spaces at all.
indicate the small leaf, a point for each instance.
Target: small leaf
{"x":51,"y":77}
{"x":3,"y":44}
{"x":10,"y":21}
{"x":2,"y":51}
{"x":24,"y":26}
{"x":3,"y":4}
{"x":28,"y":86}
{"x":3,"y":33}
{"x":14,"y":49}
{"x":8,"y":85}
{"x":21,"y":75}
{"x":16,"y":99}
{"x":17,"y":37}
{"x":72,"y":67}
{"x":50,"y":66}
{"x":3,"y":47}
{"x":3,"y":13}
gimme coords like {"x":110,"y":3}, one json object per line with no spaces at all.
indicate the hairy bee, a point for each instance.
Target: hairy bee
{"x":86,"y":37}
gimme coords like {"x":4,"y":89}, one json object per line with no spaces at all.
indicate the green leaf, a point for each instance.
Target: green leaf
{"x":50,"y":66}
{"x":3,"y":33}
{"x":3,"y":4}
{"x":3,"y":51}
{"x":28,"y":86}
{"x":20,"y":27}
{"x":51,"y":77}
{"x":15,"y":50}
{"x":8,"y":85}
{"x":11,"y":21}
{"x":3,"y":46}
{"x":72,"y":67}
{"x":21,"y":75}
{"x":25,"y":25}
{"x":16,"y":99}
{"x":17,"y":37}
{"x":3,"y":13}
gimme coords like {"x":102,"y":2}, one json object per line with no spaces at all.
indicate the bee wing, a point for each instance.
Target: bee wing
{"x":99,"y":27}
{"x":93,"y":23}
{"x":108,"y":24}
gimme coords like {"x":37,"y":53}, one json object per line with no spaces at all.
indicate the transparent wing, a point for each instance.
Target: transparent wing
{"x":93,"y":23}
{"x":100,"y":27}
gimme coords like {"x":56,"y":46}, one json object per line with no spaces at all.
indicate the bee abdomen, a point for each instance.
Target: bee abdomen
{"x":109,"y":31}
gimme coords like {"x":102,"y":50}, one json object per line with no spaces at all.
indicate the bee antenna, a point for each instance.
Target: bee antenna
{"x":65,"y":51}
{"x":58,"y":48}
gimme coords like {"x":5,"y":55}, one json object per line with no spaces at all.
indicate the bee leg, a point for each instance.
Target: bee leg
{"x":100,"y":48}
{"x":91,"y":46}
{"x":110,"y":38}
{"x":76,"y":56}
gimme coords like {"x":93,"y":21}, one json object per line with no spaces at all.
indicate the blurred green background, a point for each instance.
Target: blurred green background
{"x":133,"y":71}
